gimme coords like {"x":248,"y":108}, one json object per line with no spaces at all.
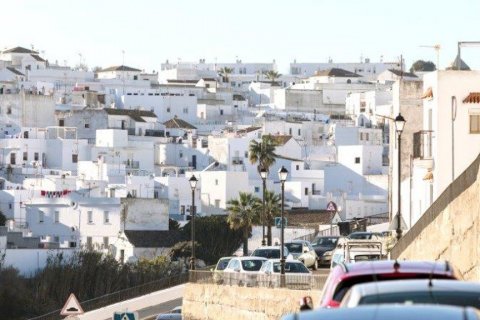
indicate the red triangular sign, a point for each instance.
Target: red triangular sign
{"x":71,"y":307}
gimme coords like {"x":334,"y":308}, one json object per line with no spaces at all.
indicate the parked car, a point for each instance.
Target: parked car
{"x":303,"y":251}
{"x":174,"y":314}
{"x":271,"y":252}
{"x":243,"y":271}
{"x":390,"y":312}
{"x":297,"y":275}
{"x":349,"y":250}
{"x":323,"y":247}
{"x":431,"y":291}
{"x":218,"y":271}
{"x":345,"y":275}
{"x":364,"y":235}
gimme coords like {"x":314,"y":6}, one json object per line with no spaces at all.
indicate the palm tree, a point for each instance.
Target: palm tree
{"x":272,"y":75}
{"x":273,"y":208}
{"x":224,"y":73}
{"x":243,"y":214}
{"x":264,"y":153}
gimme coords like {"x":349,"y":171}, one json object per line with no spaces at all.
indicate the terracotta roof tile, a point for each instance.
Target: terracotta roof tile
{"x":119,"y":68}
{"x":473,"y":97}
{"x":177,"y":123}
{"x":428,"y":94}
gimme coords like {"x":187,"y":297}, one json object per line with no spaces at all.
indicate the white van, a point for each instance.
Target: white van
{"x":348,"y":251}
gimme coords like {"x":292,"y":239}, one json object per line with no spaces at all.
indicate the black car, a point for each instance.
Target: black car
{"x":323,"y":247}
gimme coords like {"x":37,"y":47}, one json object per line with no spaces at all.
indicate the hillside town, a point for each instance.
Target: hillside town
{"x":102,"y":159}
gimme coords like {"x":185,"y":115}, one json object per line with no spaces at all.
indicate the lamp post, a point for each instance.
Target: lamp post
{"x":399,"y":125}
{"x":193,"y":183}
{"x":282,"y":175}
{"x":263,"y":174}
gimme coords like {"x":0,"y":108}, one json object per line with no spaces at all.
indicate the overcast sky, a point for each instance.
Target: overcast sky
{"x":149,"y":32}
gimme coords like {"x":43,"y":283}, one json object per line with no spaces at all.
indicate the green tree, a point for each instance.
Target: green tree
{"x":225,"y":73}
{"x":213,"y":238}
{"x":243,"y":214}
{"x":264,"y":153}
{"x":272,"y":75}
{"x":421,"y":65}
{"x":273,"y":208}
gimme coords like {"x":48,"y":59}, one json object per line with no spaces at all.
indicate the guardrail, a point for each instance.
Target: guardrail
{"x":122,"y":295}
{"x":292,"y":281}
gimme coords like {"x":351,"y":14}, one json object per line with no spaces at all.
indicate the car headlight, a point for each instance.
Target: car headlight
{"x":327,"y":254}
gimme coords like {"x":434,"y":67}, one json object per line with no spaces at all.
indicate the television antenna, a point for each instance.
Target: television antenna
{"x":437,"y":48}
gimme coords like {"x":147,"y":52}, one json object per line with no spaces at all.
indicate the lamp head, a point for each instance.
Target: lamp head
{"x":399,"y":123}
{"x":193,"y":182}
{"x":282,"y":174}
{"x":263,"y":173}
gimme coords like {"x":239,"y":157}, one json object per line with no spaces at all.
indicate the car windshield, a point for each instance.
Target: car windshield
{"x":267,"y":253}
{"x":222,"y":264}
{"x":453,"y":297}
{"x":366,"y":257}
{"x":361,"y":236}
{"x":252,"y":265}
{"x":325,"y":241}
{"x":294,"y":247}
{"x":291,"y":267}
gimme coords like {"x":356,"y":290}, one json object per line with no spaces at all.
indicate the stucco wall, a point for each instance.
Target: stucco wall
{"x":449,"y":229}
{"x":208,"y":301}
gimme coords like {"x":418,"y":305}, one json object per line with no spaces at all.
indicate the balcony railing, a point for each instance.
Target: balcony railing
{"x":422,"y":145}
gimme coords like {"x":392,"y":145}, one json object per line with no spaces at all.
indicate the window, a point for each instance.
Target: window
{"x":246,"y":154}
{"x":12,"y":158}
{"x":90,"y":216}
{"x":297,"y":167}
{"x":216,"y":182}
{"x":217,"y":203}
{"x":35,"y":156}
{"x":475,"y":123}
{"x":180,"y":155}
{"x":89,"y":242}
{"x":257,"y":189}
{"x":106,"y":218}
{"x":57,"y":216}
{"x":87,"y":125}
{"x":56,"y":239}
{"x":299,"y":131}
{"x":168,"y":110}
{"x":10,"y":206}
{"x":306,"y":191}
{"x":290,"y":131}
{"x":182,"y":210}
{"x":221,"y":112}
{"x":25,"y":156}
{"x":74,"y":158}
{"x":105,"y":242}
{"x":357,"y":159}
{"x":41,"y":217}
{"x":185,"y":110}
{"x":61,"y":122}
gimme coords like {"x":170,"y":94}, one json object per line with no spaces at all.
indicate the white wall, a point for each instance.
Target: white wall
{"x":28,"y":261}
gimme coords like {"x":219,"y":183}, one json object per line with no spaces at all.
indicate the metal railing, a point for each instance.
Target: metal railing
{"x":295,"y":281}
{"x":122,"y":295}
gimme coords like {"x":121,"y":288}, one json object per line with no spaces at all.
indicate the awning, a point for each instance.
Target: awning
{"x":428,"y":176}
{"x":473,"y":97}
{"x":428,"y":94}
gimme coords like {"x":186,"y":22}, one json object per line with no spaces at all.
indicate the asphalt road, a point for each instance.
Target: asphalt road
{"x":146,"y":314}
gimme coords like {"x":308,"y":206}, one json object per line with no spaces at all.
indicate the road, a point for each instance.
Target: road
{"x":146,"y":314}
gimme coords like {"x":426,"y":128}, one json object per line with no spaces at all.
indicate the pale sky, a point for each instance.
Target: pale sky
{"x":253,"y":30}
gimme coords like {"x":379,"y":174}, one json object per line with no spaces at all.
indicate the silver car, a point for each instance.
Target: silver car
{"x":431,"y":291}
{"x":303,"y":251}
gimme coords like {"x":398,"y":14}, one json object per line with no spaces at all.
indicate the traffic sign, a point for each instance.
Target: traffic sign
{"x":125,"y":315}
{"x":278,"y":222}
{"x":72,"y":307}
{"x":331,"y":206}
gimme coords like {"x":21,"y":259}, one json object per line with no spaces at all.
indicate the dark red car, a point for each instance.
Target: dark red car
{"x":344,"y":276}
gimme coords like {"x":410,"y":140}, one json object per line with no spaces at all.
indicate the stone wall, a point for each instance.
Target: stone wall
{"x":449,"y":229}
{"x":209,"y":301}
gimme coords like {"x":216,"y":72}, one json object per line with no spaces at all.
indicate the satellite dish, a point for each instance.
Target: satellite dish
{"x":74,"y":204}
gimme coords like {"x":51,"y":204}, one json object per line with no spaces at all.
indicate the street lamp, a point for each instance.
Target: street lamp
{"x":263,"y":175}
{"x":193,"y":184}
{"x":399,"y":125}
{"x":282,"y":175}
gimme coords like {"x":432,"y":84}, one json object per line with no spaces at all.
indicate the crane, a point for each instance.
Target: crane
{"x":437,"y":48}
